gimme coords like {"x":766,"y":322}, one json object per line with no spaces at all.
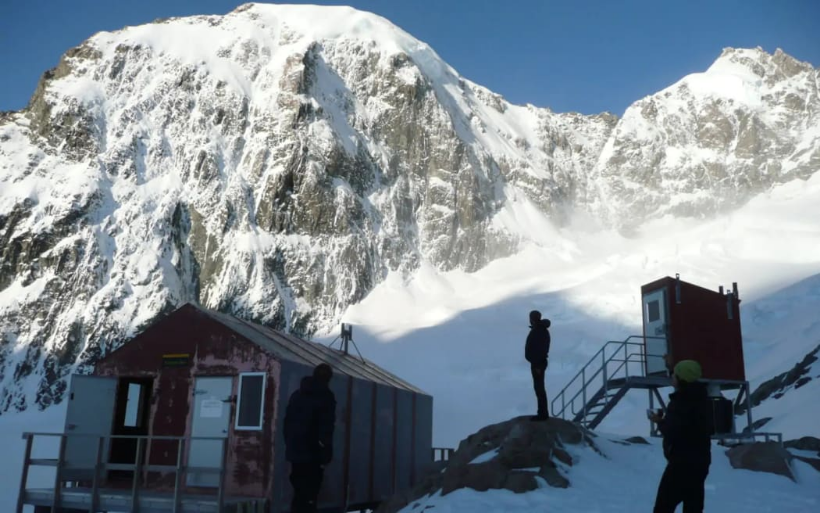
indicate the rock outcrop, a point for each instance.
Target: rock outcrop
{"x":517,"y":455}
{"x":762,"y":457}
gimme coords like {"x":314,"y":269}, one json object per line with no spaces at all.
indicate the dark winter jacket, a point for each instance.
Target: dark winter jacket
{"x":687,"y":428}
{"x":309,"y":421}
{"x":538,"y":344}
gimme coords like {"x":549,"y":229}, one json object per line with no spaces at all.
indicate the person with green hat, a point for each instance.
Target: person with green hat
{"x":687,"y":429}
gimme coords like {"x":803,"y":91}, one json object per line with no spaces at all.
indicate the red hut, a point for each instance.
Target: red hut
{"x":187,"y":416}
{"x":689,"y":322}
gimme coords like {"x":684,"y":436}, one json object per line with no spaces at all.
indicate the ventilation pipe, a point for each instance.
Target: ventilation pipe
{"x":347,"y":336}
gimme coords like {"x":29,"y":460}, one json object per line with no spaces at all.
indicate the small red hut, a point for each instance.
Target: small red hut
{"x":689,"y":322}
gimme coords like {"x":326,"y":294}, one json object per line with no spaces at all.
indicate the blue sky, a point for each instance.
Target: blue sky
{"x":573,"y":55}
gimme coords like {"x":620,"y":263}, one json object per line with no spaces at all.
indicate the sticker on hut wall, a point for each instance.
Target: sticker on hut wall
{"x":176,"y":360}
{"x":210,"y":408}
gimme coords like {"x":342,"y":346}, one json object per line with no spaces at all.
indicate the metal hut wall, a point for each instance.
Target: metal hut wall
{"x":191,"y":367}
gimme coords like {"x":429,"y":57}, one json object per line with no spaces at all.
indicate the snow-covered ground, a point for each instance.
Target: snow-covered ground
{"x":626,"y":480}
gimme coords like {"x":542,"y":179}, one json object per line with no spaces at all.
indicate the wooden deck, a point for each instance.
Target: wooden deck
{"x":147,"y":501}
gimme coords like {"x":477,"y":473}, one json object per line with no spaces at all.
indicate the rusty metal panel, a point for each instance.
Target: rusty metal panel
{"x":384,"y":462}
{"x":404,"y":432}
{"x":423,"y":436}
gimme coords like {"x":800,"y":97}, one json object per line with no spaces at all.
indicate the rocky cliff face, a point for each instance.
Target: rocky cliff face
{"x":276,"y":162}
{"x":714,"y":139}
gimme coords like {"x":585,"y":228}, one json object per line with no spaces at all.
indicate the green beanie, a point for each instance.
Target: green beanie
{"x":688,"y":371}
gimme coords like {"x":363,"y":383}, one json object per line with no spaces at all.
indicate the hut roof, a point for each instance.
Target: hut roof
{"x":288,"y":347}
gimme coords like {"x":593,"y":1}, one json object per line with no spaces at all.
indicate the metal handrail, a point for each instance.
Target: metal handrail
{"x":138,"y":467}
{"x":602,"y":369}
{"x":745,"y":436}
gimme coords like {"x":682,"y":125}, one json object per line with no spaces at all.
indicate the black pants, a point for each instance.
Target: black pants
{"x":540,"y":391}
{"x":306,"y":479}
{"x":680,"y":484}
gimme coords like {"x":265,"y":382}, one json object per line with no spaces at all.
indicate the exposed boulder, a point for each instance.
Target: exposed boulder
{"x":512,"y":455}
{"x":637,"y":440}
{"x":806,"y":443}
{"x":762,"y":457}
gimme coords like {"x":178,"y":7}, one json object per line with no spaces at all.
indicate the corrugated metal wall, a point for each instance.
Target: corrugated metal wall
{"x":383,"y":450}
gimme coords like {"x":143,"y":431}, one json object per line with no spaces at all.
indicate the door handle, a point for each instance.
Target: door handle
{"x":71,"y":427}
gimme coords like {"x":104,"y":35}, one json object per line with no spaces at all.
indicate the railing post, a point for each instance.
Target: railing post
{"x":24,"y":476}
{"x":221,"y":492}
{"x":749,"y":421}
{"x":563,"y":405}
{"x":55,"y":500}
{"x":137,"y":475}
{"x":95,"y":485}
{"x":178,"y":476}
{"x":584,"y":390}
{"x":626,"y":359}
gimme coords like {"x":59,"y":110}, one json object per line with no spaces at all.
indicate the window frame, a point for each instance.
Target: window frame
{"x":259,"y":427}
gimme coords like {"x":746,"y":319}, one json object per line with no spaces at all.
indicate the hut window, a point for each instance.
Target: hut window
{"x":654,"y":311}
{"x":251,"y":400}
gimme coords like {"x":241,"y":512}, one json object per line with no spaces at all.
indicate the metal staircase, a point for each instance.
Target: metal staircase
{"x":600,"y":384}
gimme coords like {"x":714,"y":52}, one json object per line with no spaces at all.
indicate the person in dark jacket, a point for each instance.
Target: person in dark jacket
{"x":309,"y":422}
{"x":687,"y":429}
{"x":537,"y":353}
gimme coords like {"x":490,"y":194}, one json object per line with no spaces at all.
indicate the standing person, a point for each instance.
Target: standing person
{"x":687,"y":444}
{"x":309,"y":421}
{"x":537,"y":353}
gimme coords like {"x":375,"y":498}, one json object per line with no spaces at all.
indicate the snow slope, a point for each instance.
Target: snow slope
{"x":460,"y":336}
{"x":626,"y":480}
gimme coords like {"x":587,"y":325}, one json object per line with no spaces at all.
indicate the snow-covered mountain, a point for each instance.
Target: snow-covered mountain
{"x":711,"y":141}
{"x":280,"y":162}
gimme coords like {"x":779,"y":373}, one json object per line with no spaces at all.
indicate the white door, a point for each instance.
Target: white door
{"x":89,"y":416}
{"x":654,"y":318}
{"x":212,"y":412}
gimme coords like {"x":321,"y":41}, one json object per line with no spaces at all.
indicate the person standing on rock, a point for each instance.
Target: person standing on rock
{"x":310,"y":419}
{"x":537,"y":353}
{"x":687,"y":430}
